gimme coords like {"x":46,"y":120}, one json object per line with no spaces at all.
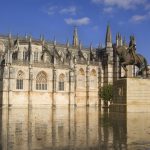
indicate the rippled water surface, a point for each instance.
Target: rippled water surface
{"x":74,"y":129}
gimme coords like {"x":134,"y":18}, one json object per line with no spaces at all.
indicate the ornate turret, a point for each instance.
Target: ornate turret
{"x":108,"y":40}
{"x":75,"y":42}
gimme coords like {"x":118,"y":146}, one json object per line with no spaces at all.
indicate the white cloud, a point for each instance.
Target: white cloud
{"x":108,"y":10}
{"x":126,"y":4}
{"x":140,"y":18}
{"x":70,"y":10}
{"x":147,"y":7}
{"x":81,"y":21}
{"x":51,"y":10}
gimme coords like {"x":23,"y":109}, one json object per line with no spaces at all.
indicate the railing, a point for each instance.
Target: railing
{"x":83,"y":62}
{"x":20,"y":62}
{"x":94,"y":63}
{"x":42,"y":64}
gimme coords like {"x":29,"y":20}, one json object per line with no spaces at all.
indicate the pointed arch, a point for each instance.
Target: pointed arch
{"x":61,"y":82}
{"x":93,"y":72}
{"x":25,"y":54}
{"x":81,"y":78}
{"x":93,"y":79}
{"x":41,"y":81}
{"x":19,"y":81}
{"x":81,"y":71}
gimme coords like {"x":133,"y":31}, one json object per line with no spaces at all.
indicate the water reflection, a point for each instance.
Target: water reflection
{"x":80,"y":128}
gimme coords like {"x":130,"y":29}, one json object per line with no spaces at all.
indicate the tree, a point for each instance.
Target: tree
{"x":106,"y":94}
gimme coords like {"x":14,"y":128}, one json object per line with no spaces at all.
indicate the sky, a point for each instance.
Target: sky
{"x":57,"y":18}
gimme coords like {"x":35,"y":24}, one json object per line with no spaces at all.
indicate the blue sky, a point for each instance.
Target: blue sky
{"x":56,"y":18}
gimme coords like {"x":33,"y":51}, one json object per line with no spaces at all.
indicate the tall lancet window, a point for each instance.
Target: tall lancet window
{"x":19,"y":81}
{"x":81,"y":78}
{"x":61,"y":82}
{"x":93,"y":79}
{"x":25,"y":54}
{"x":41,"y":81}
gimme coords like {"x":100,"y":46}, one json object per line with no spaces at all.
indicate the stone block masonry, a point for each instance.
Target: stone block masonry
{"x":131,"y":95}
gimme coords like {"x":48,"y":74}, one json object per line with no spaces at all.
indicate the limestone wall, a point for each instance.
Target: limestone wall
{"x":81,"y":90}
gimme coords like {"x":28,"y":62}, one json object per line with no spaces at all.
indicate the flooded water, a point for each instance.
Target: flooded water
{"x":73,"y":129}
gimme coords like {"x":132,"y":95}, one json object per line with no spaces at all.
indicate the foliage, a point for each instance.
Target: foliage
{"x":107,"y":92}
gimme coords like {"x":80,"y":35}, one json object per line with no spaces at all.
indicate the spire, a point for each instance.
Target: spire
{"x":75,"y":42}
{"x":108,"y":40}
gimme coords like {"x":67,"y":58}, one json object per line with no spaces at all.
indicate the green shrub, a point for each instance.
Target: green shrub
{"x":106,"y":93}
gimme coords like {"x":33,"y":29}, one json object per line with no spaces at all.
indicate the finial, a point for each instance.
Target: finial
{"x":67,"y":44}
{"x":100,"y":45}
{"x":54,"y":42}
{"x":26,"y":36}
{"x":117,"y":36}
{"x":80,"y":45}
{"x":41,"y":37}
{"x":91,"y":48}
{"x":17,"y":36}
{"x":9,"y":35}
{"x":30,"y":39}
{"x":124,"y":40}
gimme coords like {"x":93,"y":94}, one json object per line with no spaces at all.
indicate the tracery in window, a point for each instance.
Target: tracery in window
{"x":41,"y":81}
{"x":61,"y":82}
{"x":25,"y":54}
{"x":93,"y":79}
{"x":81,"y":78}
{"x":19,"y":81}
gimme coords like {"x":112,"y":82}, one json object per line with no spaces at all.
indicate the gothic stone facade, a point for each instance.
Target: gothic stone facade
{"x":38,"y":72}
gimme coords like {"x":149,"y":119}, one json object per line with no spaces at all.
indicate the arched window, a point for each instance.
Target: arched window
{"x":81,"y":78}
{"x":25,"y":54}
{"x":19,"y":81}
{"x":93,"y":79}
{"x":81,"y":72}
{"x":41,"y":81}
{"x":61,"y":82}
